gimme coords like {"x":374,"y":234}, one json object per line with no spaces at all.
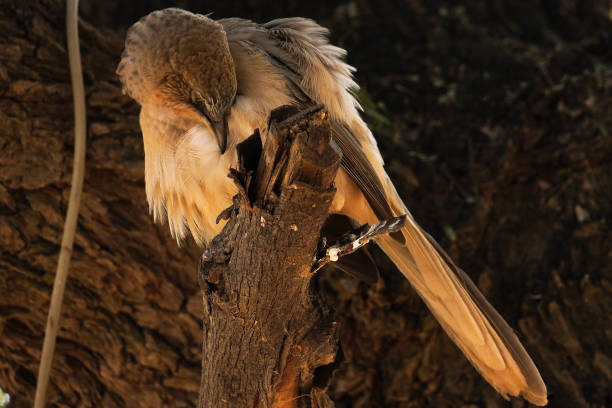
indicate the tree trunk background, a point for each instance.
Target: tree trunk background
{"x":494,"y":121}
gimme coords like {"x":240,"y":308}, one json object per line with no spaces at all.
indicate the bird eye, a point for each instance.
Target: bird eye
{"x":195,"y":96}
{"x":195,"y":99}
{"x":200,"y":105}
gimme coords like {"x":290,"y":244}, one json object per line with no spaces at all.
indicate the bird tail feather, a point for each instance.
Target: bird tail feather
{"x":464,"y":313}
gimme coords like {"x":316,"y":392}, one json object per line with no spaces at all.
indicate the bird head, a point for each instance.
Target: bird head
{"x":182,"y":61}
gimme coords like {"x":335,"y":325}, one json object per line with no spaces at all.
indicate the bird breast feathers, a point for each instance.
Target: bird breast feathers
{"x":180,"y":166}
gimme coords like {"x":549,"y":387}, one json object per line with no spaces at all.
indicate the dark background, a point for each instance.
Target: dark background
{"x":494,"y":119}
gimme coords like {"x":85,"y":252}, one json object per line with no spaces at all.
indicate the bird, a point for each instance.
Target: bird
{"x":205,"y":85}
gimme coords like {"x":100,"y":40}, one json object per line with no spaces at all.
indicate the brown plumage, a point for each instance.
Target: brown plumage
{"x":204,"y":86}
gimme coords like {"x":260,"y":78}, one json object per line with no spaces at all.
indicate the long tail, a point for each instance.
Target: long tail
{"x":464,"y":313}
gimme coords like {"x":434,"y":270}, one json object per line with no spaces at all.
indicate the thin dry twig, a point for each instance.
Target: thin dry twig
{"x":78,"y":173}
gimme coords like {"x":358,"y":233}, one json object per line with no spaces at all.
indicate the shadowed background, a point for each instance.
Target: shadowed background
{"x":494,"y":121}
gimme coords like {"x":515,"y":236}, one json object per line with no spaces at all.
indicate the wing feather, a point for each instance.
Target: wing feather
{"x":300,"y":49}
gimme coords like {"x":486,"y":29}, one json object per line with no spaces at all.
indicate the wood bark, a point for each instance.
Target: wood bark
{"x":265,"y":330}
{"x":130,"y":333}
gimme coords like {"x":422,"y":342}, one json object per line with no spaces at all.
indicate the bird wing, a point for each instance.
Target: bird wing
{"x":314,"y":71}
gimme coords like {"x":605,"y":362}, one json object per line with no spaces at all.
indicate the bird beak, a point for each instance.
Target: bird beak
{"x":220,"y":129}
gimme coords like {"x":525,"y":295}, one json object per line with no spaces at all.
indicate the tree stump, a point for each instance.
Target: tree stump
{"x":265,"y":330}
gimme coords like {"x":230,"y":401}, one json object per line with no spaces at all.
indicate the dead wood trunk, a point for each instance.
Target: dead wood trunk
{"x":265,"y":331}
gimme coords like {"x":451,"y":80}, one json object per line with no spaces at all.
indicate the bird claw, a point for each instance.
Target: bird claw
{"x":225,"y":214}
{"x":240,"y":200}
{"x":353,"y":240}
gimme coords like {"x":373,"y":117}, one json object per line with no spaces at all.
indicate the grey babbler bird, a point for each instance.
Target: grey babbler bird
{"x":204,"y":86}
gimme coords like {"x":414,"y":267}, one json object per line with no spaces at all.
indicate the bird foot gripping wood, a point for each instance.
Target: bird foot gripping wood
{"x":249,"y":152}
{"x":354,"y":240}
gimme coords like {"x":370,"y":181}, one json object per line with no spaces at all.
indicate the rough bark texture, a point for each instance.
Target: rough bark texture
{"x":265,"y":332}
{"x":494,"y":121}
{"x":130,"y":333}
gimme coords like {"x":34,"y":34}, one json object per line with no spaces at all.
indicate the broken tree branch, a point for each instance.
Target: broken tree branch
{"x":265,"y":331}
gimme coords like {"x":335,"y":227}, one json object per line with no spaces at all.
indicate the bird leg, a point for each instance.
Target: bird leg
{"x":353,"y":240}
